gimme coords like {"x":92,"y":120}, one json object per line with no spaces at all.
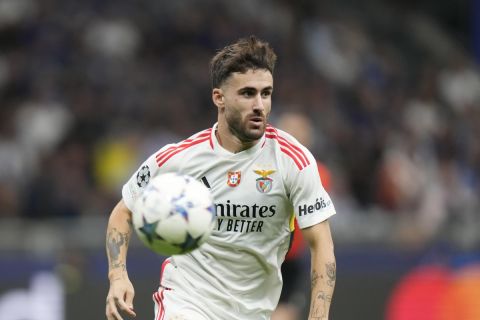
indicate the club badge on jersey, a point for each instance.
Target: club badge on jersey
{"x":233,"y":178}
{"x":264,"y":183}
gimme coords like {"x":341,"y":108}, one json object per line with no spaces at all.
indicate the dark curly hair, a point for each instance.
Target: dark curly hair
{"x":245,"y":54}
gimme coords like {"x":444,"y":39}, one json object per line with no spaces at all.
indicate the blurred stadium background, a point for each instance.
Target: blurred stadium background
{"x":89,"y":88}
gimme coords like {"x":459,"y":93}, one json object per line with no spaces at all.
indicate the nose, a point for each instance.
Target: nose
{"x":258,"y":103}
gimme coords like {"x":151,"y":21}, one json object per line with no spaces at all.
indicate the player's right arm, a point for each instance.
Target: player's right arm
{"x":119,"y":231}
{"x":121,"y":293}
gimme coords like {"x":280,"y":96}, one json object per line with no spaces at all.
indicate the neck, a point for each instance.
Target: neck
{"x":230,"y":141}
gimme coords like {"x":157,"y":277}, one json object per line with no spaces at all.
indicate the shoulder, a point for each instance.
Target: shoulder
{"x":289,"y":148}
{"x":199,"y":139}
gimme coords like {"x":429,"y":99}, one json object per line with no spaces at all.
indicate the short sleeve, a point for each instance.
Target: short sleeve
{"x":139,"y":180}
{"x":310,"y":201}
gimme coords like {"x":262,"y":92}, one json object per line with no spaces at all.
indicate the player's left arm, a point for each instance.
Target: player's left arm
{"x":323,"y":269}
{"x":313,"y":207}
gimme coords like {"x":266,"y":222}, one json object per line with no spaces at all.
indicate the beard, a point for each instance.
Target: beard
{"x":247,"y":129}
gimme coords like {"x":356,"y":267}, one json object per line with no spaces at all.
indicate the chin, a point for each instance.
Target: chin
{"x":250,"y":132}
{"x":255,"y":134}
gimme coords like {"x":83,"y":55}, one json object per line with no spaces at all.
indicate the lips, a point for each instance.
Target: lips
{"x":256,"y":119}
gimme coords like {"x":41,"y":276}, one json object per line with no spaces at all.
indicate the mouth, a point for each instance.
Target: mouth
{"x":256,"y":120}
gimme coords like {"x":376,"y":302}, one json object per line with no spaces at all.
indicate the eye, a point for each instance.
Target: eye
{"x":266,"y":94}
{"x":248,"y":93}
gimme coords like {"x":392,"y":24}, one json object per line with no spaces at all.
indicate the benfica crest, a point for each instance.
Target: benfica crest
{"x":264,"y":183}
{"x":233,"y":178}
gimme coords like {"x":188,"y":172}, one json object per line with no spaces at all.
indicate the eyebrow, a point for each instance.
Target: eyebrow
{"x":254,"y":89}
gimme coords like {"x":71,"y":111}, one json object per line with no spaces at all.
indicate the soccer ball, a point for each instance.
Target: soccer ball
{"x":174,"y":215}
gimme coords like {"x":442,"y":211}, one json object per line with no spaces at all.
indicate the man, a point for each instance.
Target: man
{"x":259,"y":176}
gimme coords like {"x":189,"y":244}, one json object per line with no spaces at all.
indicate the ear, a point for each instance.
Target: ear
{"x":217,"y":97}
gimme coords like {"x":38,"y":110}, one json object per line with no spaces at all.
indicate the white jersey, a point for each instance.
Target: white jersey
{"x":236,"y":273}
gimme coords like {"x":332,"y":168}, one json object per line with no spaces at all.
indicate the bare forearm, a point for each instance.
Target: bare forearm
{"x":323,"y":283}
{"x":323,"y":268}
{"x":119,"y":231}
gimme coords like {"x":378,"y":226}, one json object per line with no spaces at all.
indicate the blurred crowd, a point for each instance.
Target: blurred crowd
{"x":89,"y":88}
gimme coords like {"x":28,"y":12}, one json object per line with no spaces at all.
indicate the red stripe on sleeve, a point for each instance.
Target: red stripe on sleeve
{"x":287,"y":151}
{"x":300,"y":167}
{"x":200,"y":135}
{"x":295,"y":149}
{"x":293,"y":152}
{"x":166,"y":156}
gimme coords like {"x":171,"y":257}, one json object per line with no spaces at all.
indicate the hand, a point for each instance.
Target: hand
{"x":120,"y":298}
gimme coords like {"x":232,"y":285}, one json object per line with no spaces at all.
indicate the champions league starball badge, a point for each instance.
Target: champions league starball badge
{"x":143,"y":176}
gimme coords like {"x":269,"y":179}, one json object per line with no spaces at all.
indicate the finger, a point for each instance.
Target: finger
{"x":124,"y":307}
{"x":107,"y":311}
{"x":116,"y":315}
{"x":110,"y":315}
{"x":112,"y":312}
{"x":129,"y":300}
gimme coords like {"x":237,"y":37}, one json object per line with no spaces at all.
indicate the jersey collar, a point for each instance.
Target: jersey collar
{"x":217,"y":148}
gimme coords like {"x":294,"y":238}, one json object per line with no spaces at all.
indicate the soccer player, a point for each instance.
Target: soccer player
{"x":260,"y":178}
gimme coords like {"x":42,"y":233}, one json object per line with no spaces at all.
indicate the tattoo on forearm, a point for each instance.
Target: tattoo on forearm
{"x":331,"y":273}
{"x":315,"y":278}
{"x":320,"y":305}
{"x":321,"y":299}
{"x":115,"y":241}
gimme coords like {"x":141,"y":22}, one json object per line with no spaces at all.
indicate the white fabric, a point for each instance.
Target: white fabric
{"x":237,"y":271}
